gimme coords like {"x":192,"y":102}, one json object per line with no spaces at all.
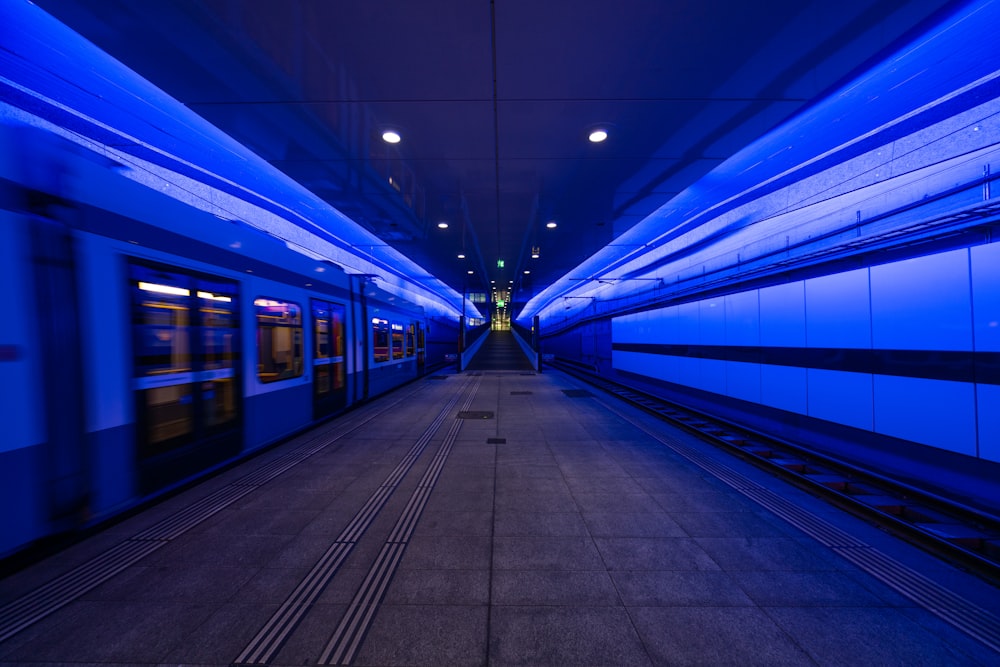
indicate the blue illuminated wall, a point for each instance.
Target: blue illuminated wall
{"x":908,"y":349}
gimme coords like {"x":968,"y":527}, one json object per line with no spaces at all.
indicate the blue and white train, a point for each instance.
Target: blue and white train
{"x":172,"y":302}
{"x":144,"y":343}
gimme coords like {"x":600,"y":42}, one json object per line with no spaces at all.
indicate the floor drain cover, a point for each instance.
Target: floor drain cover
{"x":473,"y":414}
{"x":577,"y":393}
{"x":520,"y":393}
{"x":496,"y":441}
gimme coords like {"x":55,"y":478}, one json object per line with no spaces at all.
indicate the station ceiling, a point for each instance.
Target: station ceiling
{"x":494,"y":101}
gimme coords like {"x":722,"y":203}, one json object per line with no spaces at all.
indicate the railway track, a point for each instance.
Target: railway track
{"x":966,"y":536}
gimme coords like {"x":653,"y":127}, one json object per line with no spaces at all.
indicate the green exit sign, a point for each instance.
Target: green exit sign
{"x":499,"y":263}
{"x":500,"y":303}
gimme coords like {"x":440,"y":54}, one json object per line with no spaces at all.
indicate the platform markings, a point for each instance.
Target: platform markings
{"x":268,"y":641}
{"x":346,"y":640}
{"x":50,"y":597}
{"x":973,"y":620}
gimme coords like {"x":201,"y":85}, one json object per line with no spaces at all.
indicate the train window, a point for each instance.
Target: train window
{"x":339,"y":359}
{"x":321,"y":333}
{"x":219,"y":353}
{"x":161,"y":325}
{"x":329,"y":346}
{"x":279,"y":339}
{"x":410,"y":340}
{"x":380,"y":339}
{"x":219,"y":322}
{"x":397,"y":341}
{"x":161,"y":320}
{"x":186,"y":337}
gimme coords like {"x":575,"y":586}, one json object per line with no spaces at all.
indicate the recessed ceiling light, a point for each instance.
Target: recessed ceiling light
{"x":461,"y":255}
{"x":534,"y":255}
{"x":391,"y":137}
{"x":597,"y":136}
{"x":442,"y":225}
{"x":551,"y":224}
{"x":470,"y":272}
{"x":526,"y":272}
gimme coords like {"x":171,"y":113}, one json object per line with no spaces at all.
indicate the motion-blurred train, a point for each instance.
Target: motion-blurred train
{"x":145,"y":342}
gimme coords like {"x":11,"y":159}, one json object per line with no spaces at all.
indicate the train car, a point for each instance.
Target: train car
{"x":146,"y":343}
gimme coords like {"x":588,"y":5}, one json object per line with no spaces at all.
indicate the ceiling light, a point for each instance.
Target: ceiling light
{"x":551,"y":224}
{"x":442,"y":225}
{"x":526,"y":272}
{"x":391,"y":137}
{"x":597,"y":136}
{"x":471,"y":272}
{"x":461,"y":255}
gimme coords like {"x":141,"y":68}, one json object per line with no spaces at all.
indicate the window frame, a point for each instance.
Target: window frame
{"x":297,"y":343}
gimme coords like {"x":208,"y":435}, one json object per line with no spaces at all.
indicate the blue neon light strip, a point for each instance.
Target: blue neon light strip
{"x":933,"y":83}
{"x":52,"y":73}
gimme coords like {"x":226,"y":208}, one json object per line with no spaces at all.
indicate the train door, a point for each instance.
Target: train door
{"x":64,"y":454}
{"x":421,"y":349}
{"x":185,"y":332}
{"x":329,"y":358}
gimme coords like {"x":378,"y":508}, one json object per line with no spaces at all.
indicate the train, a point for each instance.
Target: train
{"x":146,"y":343}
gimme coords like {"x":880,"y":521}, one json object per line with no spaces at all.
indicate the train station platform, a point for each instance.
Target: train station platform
{"x":495,"y":518}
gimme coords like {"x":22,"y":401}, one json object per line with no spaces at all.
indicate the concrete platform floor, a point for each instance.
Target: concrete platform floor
{"x":539,"y":529}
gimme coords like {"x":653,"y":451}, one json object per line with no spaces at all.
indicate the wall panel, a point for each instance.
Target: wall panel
{"x":712,"y":322}
{"x":712,"y":375}
{"x":785,"y":388}
{"x":630,"y":362}
{"x":742,"y":318}
{"x":882,"y":349}
{"x":687,"y":323}
{"x":922,"y":303}
{"x":783,"y":315}
{"x":931,"y":412}
{"x":666,"y":327}
{"x":743,"y":381}
{"x":688,"y":372}
{"x":986,"y":297}
{"x":841,"y":397}
{"x":838,"y":312}
{"x":988,"y":403}
{"x":622,"y":328}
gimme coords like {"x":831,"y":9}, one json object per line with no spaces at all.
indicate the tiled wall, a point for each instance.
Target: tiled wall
{"x":908,"y":349}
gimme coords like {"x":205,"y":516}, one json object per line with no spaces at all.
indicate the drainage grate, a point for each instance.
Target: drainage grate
{"x":496,"y":441}
{"x":438,"y":377}
{"x":474,"y":414}
{"x":577,"y":393}
{"x":521,"y":393}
